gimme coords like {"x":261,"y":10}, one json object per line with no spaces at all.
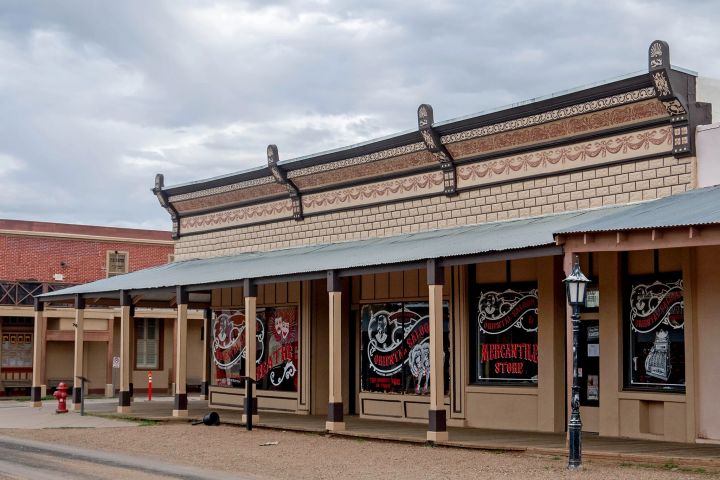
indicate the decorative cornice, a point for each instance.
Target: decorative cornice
{"x":370,"y":157}
{"x":675,"y":105}
{"x":426,"y":119}
{"x":225,"y":188}
{"x":162,"y":198}
{"x":545,"y":117}
{"x":281,"y":178}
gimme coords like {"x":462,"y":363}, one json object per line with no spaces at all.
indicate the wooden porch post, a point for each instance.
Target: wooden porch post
{"x":250,"y":292}
{"x":109,"y":386}
{"x":335,"y":420}
{"x":79,"y":351}
{"x":437,"y":425}
{"x":38,"y":354}
{"x":181,"y":408}
{"x":126,"y":318}
{"x":207,"y":351}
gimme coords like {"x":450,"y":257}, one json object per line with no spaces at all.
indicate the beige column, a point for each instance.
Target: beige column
{"x":38,"y":348}
{"x":250,"y":292}
{"x":335,"y":421}
{"x":79,"y":350}
{"x":181,"y":408}
{"x":437,"y":419}
{"x":207,"y":351}
{"x":126,"y":363}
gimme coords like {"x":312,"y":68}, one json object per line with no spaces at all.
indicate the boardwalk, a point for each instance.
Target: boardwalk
{"x":619,"y":449}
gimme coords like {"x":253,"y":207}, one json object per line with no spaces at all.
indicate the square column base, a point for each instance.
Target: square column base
{"x":76,"y":407}
{"x":255,"y":419}
{"x":437,"y":436}
{"x":124,"y":409}
{"x":204,"y":397}
{"x":37,"y":404}
{"x":335,"y":426}
{"x":43,"y":391}
{"x":109,"y":390}
{"x":180,"y":413}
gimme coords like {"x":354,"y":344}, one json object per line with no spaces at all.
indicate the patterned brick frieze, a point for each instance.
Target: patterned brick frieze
{"x":237,"y":216}
{"x":360,"y":172}
{"x":624,"y":182}
{"x":613,"y":149}
{"x":582,"y":124}
{"x":592,"y":106}
{"x":230,"y":197}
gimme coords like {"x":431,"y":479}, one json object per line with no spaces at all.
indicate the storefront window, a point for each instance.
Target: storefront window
{"x":504,"y":334}
{"x":276,"y":348}
{"x":655,"y":353}
{"x":395,"y":348}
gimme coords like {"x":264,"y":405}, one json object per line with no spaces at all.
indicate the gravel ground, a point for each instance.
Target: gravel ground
{"x":312,"y":456}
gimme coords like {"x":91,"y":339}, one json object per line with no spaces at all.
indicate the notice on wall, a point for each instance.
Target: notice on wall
{"x":593,"y":350}
{"x":17,"y":349}
{"x":593,"y":387}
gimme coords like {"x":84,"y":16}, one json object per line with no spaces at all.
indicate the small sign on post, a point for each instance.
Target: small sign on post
{"x":116,"y":362}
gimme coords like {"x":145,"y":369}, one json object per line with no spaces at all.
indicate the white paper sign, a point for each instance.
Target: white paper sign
{"x":593,"y":350}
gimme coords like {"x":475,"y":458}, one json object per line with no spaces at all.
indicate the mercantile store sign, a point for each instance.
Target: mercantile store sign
{"x":418,"y":278}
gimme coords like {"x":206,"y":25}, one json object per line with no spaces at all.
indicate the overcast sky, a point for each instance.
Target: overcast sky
{"x":98,"y":96}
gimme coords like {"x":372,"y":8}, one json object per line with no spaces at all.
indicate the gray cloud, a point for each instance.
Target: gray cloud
{"x":99,"y":96}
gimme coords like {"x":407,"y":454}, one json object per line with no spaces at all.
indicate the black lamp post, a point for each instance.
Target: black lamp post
{"x":576,"y":285}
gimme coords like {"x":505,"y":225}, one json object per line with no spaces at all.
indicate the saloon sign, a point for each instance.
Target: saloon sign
{"x":656,"y":303}
{"x":396,"y":339}
{"x":501,"y":311}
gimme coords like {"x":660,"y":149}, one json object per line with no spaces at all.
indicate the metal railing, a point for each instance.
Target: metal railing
{"x":22,"y":293}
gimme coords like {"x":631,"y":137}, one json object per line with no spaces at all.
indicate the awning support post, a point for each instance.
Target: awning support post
{"x":437,"y":422}
{"x":250,"y":292}
{"x":335,"y":421}
{"x":38,"y":347}
{"x":181,"y":407}
{"x":126,"y":317}
{"x":79,"y":344}
{"x":207,"y":350}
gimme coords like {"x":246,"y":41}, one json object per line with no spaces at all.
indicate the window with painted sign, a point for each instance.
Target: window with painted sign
{"x":504,"y":334}
{"x":395,"y":348}
{"x":16,"y":350}
{"x":655,"y":333}
{"x":276,"y":351}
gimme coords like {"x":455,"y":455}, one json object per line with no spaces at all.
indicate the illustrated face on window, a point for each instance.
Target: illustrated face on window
{"x":282,"y":327}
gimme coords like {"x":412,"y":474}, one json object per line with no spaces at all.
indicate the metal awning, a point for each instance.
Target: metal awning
{"x":692,"y":208}
{"x":452,"y":246}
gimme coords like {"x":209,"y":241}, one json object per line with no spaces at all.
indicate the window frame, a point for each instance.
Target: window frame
{"x":160,"y":339}
{"x":474,"y":345}
{"x":628,"y":384}
{"x":108,"y":253}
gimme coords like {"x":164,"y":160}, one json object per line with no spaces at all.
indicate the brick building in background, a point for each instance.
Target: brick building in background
{"x":38,"y":257}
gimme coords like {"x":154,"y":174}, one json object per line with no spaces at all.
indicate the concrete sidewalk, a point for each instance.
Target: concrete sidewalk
{"x":22,"y":415}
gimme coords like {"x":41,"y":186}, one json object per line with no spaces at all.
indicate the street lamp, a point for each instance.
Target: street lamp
{"x":576,"y":285}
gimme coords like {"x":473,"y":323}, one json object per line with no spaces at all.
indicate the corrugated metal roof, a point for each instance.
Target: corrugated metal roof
{"x":451,"y":242}
{"x":696,"y":207}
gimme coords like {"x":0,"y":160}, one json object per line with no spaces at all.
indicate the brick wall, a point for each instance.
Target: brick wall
{"x":38,"y":258}
{"x":608,"y":185}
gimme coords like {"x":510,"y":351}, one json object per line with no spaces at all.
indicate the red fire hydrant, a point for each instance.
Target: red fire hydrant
{"x":61,"y":395}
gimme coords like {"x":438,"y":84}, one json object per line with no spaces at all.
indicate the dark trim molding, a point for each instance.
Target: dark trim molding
{"x":180,"y":401}
{"x":437,"y":421}
{"x":335,"y":412}
{"x":124,"y":399}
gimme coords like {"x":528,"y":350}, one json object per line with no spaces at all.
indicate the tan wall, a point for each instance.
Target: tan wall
{"x":535,"y":408}
{"x":59,"y":364}
{"x":708,"y":333}
{"x":627,"y":413}
{"x":95,"y":365}
{"x":594,"y":187}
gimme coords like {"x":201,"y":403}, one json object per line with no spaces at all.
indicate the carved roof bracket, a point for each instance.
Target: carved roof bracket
{"x":280,"y":177}
{"x":434,"y":145}
{"x":673,"y":93}
{"x":162,"y":198}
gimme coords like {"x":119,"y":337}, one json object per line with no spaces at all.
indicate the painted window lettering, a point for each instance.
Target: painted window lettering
{"x":276,"y":348}
{"x":656,"y":333}
{"x":505,"y":324}
{"x":395,"y":352}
